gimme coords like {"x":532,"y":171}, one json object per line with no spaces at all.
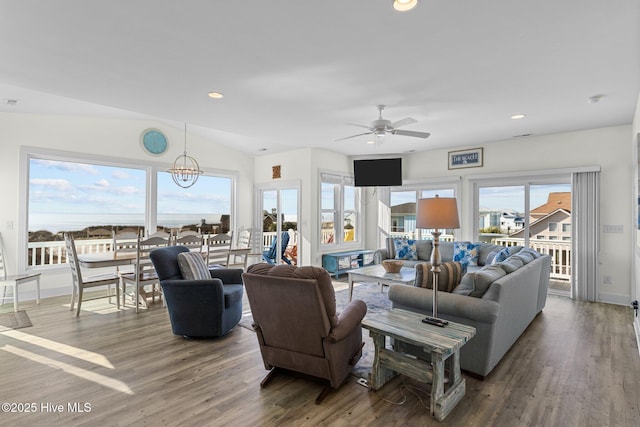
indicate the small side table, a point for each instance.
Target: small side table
{"x":443,"y":344}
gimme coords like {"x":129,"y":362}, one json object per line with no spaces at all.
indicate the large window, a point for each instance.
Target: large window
{"x":93,"y":199}
{"x":204,"y":208}
{"x":90,"y":200}
{"x":339,"y":210}
{"x":403,"y":212}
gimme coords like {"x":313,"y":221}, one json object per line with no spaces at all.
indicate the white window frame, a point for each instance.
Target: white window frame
{"x":513,"y":180}
{"x":340,"y":180}
{"x":419,"y":187}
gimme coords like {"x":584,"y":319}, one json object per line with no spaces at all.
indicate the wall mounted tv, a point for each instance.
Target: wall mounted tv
{"x":377,"y":172}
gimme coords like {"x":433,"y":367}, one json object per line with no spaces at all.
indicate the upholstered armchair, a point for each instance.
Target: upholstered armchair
{"x":298,"y":329}
{"x":201,"y":302}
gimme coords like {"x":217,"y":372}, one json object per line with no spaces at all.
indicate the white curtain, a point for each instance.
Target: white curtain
{"x":585,"y":245}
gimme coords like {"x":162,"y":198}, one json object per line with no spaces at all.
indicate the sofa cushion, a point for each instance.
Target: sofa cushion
{"x":192,"y":266}
{"x":506,"y":253}
{"x":424,"y":248}
{"x":466,"y":284}
{"x":448,"y":279}
{"x":531,"y":251}
{"x":511,"y":264}
{"x":490,"y":257}
{"x":466,"y":253}
{"x":484,"y":277}
{"x":525,"y":256}
{"x":405,"y":248}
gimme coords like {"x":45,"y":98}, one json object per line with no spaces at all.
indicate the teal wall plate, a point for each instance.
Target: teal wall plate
{"x":154,"y":142}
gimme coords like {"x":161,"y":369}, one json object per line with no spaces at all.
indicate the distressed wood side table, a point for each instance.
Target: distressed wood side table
{"x":442,"y":344}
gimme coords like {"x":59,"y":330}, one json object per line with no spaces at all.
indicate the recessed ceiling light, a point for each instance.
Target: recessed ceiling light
{"x":595,"y":99}
{"x":518,"y":116}
{"x":11,"y":102}
{"x":216,"y":95}
{"x":262,"y":149}
{"x":371,"y":141}
{"x":404,"y":5}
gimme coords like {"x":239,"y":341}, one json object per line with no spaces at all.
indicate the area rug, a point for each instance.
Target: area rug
{"x":376,"y":301}
{"x":14,"y":320}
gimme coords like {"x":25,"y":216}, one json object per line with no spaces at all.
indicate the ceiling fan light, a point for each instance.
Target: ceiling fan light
{"x":404,"y":5}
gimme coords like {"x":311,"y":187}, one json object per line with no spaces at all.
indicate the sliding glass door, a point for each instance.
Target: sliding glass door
{"x":531,"y":214}
{"x":279,"y":213}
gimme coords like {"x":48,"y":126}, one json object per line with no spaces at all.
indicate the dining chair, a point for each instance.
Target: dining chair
{"x":191,"y":240}
{"x":15,"y":280}
{"x":218,"y":249}
{"x":143,"y":272}
{"x":80,"y":283}
{"x":240,"y":250}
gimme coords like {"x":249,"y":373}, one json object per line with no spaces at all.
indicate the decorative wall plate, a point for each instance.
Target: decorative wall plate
{"x":154,"y":141}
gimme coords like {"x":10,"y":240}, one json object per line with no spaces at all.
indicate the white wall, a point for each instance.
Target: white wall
{"x":100,"y":137}
{"x":302,"y":165}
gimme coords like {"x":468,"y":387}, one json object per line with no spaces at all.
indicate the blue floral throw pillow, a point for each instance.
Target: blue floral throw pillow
{"x":405,"y":249}
{"x":466,"y":253}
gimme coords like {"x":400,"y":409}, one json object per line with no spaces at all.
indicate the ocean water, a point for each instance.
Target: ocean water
{"x":57,"y":222}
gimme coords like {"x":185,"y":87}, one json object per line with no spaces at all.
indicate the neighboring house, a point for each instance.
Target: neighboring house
{"x":403,"y":218}
{"x":551,"y":221}
{"x":506,"y":219}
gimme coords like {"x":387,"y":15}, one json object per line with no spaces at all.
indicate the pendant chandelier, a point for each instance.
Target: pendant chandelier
{"x":185,"y":171}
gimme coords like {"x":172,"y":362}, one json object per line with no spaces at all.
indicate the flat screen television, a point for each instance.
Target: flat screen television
{"x":377,"y":172}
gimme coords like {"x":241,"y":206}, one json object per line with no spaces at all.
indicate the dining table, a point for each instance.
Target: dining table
{"x":106,"y":259}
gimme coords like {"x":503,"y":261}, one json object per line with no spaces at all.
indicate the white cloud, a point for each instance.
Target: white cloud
{"x":68,"y":166}
{"x":102,"y":183}
{"x":58,"y":184}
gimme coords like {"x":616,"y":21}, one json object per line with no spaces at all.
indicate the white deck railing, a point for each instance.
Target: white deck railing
{"x":54,"y":252}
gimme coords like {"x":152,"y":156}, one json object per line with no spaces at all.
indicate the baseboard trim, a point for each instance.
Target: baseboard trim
{"x":614,"y":299}
{"x":636,"y":327}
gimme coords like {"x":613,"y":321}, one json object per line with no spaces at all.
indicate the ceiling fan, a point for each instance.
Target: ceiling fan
{"x":380,"y":127}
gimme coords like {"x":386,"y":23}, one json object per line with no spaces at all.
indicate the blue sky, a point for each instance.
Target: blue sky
{"x":509,"y":197}
{"x":95,"y":193}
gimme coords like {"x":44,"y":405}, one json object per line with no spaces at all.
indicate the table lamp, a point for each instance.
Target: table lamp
{"x":437,"y":213}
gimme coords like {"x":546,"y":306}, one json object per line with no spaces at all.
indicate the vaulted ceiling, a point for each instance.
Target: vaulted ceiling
{"x":295,"y":73}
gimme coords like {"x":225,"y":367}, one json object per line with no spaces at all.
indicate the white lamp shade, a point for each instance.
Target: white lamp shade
{"x":437,"y":212}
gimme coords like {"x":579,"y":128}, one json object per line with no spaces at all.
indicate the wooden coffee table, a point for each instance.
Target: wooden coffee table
{"x":443,"y":344}
{"x":377,"y":273}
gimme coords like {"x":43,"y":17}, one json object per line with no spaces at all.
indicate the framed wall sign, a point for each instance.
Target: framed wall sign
{"x":471,"y":158}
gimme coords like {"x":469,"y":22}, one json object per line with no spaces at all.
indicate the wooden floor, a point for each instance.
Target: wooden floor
{"x":576,"y":365}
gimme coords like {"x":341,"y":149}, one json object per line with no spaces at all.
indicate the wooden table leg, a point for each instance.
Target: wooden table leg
{"x":437,"y":385}
{"x":379,"y":374}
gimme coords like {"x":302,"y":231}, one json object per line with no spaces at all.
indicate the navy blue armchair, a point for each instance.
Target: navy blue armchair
{"x":198,"y":308}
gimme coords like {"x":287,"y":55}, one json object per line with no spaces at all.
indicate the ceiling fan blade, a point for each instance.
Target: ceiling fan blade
{"x":403,"y":122}
{"x":411,"y":133}
{"x":354,"y":136}
{"x":360,"y":126}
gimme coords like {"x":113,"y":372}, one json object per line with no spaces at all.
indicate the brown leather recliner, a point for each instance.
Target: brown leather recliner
{"x":298,"y":329}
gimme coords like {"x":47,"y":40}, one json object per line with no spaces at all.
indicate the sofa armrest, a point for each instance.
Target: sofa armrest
{"x":348,"y":320}
{"x":380,"y":255}
{"x":461,"y":306}
{"x":229,"y":276}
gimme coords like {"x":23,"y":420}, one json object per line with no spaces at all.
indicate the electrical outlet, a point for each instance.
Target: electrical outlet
{"x":9,"y":225}
{"x":606,"y":280}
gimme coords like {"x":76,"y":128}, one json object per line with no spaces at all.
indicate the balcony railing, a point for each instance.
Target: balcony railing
{"x":54,"y":252}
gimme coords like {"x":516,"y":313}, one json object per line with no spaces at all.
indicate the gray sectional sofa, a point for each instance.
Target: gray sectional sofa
{"x":500,"y":300}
